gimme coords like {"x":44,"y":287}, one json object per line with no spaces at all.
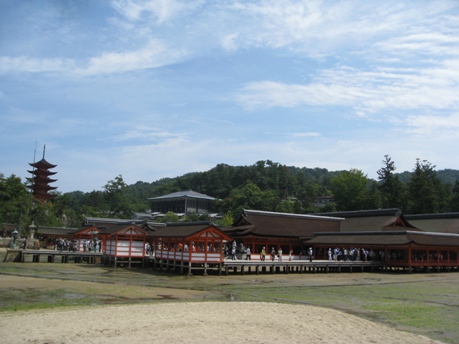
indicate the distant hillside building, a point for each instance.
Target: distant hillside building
{"x":182,"y":202}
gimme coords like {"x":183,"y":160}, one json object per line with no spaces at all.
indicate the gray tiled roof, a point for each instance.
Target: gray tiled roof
{"x":184,"y":194}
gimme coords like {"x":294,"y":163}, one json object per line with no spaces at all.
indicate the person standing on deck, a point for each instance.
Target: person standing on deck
{"x":247,"y":252}
{"x":310,"y":254}
{"x":263,"y":254}
{"x":290,"y":254}
{"x":273,"y":254}
{"x":233,"y":253}
{"x":279,"y":254}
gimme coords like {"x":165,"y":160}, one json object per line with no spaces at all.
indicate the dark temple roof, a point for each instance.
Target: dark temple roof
{"x":443,"y":222}
{"x":182,"y":230}
{"x":373,"y":220}
{"x":272,"y":224}
{"x":385,"y":238}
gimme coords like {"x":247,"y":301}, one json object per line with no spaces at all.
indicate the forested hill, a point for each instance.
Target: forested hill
{"x":447,"y":176}
{"x":220,"y":180}
{"x":270,"y":186}
{"x":266,"y":185}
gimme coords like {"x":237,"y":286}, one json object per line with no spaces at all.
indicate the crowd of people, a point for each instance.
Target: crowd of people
{"x":72,"y":245}
{"x":354,"y":254}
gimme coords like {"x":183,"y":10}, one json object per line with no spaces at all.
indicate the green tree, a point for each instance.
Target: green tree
{"x":226,"y":220}
{"x":15,"y":201}
{"x":169,"y":217}
{"x":115,"y":197}
{"x":454,"y":203}
{"x":393,"y":192}
{"x":349,"y":190}
{"x":424,"y":189}
{"x":250,"y":196}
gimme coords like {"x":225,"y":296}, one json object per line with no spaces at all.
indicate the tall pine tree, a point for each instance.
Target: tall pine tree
{"x":393,"y":191}
{"x":423,"y":189}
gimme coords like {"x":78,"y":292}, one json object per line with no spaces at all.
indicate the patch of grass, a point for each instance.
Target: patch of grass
{"x":29,"y":299}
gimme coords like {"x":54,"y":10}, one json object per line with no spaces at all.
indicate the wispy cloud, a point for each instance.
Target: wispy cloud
{"x":364,"y":91}
{"x":34,"y":65}
{"x":161,"y":10}
{"x":434,"y":125}
{"x":154,"y":55}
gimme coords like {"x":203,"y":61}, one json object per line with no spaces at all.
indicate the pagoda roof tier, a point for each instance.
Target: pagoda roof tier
{"x":42,"y":180}
{"x":42,"y":172}
{"x":41,"y":191}
{"x":42,"y":164}
{"x":44,"y":187}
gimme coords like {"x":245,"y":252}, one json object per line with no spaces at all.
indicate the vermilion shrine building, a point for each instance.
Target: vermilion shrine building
{"x":189,"y":246}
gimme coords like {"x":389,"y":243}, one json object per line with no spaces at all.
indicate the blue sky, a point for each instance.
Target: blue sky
{"x":155,"y":89}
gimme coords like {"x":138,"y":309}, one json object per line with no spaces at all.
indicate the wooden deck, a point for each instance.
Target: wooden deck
{"x":298,"y":266}
{"x":37,"y":256}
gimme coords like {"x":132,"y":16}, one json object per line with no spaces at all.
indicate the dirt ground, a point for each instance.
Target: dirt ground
{"x":204,"y":322}
{"x":187,"y":316}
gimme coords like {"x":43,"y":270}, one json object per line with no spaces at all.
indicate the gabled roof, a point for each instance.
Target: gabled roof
{"x":123,"y":229}
{"x":101,"y":222}
{"x":385,"y":238}
{"x":443,"y":222}
{"x":184,"y":194}
{"x":273,"y":224}
{"x":186,"y":229}
{"x":373,"y":220}
{"x":63,"y":231}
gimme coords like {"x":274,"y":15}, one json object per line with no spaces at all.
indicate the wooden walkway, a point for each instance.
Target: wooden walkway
{"x":65,"y":256}
{"x":298,"y":266}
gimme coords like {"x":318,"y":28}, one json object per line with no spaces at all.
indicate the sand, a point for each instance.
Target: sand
{"x":197,"y":322}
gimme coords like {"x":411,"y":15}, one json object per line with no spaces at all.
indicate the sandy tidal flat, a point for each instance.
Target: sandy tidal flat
{"x":197,"y":322}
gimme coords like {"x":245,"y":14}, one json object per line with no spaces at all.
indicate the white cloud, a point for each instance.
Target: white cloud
{"x":434,"y":125}
{"x":271,"y":94}
{"x":304,"y":134}
{"x":161,"y":10}
{"x":34,"y":65}
{"x":153,"y":55}
{"x":364,"y":91}
{"x":229,"y":42}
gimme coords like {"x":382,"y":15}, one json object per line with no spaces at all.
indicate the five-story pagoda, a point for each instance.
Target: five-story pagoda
{"x":41,"y":179}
